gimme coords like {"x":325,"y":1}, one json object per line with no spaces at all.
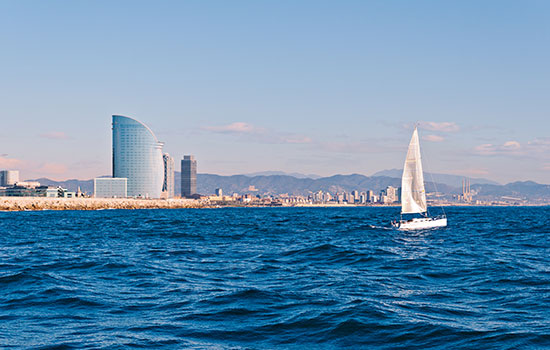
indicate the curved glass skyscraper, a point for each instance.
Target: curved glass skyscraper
{"x":137,"y":156}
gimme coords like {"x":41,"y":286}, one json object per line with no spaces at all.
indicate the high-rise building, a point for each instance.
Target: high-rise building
{"x":391,"y":192}
{"x":370,"y":196}
{"x":168,"y":183}
{"x":137,"y":156}
{"x":188,"y":176}
{"x":346,"y":196}
{"x":9,"y":177}
{"x":384,"y":199}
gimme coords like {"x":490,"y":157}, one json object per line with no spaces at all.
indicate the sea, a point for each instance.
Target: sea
{"x":274,"y":278}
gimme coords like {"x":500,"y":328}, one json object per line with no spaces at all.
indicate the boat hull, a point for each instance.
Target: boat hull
{"x":421,"y":223}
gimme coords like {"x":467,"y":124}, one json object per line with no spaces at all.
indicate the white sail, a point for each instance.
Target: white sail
{"x":413,"y":194}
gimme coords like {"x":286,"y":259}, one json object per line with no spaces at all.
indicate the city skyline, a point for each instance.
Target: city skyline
{"x":299,"y":87}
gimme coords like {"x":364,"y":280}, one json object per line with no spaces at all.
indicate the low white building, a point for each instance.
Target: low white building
{"x":110,"y":187}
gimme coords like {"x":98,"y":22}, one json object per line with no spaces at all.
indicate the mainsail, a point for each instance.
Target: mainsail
{"x":413,"y":194}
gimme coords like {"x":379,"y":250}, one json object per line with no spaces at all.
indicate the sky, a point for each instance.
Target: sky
{"x":316,"y":87}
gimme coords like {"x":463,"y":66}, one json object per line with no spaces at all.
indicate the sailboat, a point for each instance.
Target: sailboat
{"x":413,"y":193}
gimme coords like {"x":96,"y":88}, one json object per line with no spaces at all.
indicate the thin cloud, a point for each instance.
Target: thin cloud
{"x":538,"y":148}
{"x":541,"y":142}
{"x":235,"y":128}
{"x":55,"y":135}
{"x":472,"y":172}
{"x":507,"y":148}
{"x":252,"y":133}
{"x":433,"y":138}
{"x":10,"y":163}
{"x":439,"y":126}
{"x":511,"y":145}
{"x":486,"y":149}
{"x":364,"y":146}
{"x":297,"y":139}
{"x":52,"y":168}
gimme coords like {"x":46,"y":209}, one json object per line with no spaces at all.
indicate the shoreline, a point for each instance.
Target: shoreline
{"x":42,"y":203}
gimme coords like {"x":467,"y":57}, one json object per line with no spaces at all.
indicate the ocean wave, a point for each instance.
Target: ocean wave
{"x":274,"y":278}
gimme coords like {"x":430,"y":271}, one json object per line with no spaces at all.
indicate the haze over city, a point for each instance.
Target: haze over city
{"x":309,"y":87}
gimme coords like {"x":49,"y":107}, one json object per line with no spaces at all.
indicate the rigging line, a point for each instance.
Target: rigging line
{"x":433,"y":181}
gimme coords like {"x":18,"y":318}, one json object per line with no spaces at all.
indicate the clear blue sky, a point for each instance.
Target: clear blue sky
{"x":319,"y":87}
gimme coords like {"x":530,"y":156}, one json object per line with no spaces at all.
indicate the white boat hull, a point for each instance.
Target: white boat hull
{"x":421,"y":223}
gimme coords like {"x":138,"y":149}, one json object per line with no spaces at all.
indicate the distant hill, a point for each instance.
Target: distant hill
{"x":450,"y":180}
{"x":296,"y":175}
{"x":521,"y":189}
{"x":86,"y":186}
{"x":278,"y":184}
{"x":272,"y":184}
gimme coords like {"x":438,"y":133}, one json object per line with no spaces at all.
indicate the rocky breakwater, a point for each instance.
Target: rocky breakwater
{"x":41,"y":203}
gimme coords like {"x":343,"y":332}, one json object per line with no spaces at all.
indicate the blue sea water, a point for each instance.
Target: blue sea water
{"x":266,"y":278}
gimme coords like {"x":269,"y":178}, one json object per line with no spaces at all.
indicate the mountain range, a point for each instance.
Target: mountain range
{"x":521,"y":189}
{"x":450,"y":180}
{"x":279,"y":184}
{"x":296,"y":175}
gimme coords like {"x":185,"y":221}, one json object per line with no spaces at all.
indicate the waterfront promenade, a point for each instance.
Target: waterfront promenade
{"x":42,"y":203}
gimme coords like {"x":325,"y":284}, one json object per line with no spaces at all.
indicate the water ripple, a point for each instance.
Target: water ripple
{"x":273,"y":278}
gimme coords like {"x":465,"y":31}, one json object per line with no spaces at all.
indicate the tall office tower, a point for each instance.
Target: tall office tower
{"x":391,"y":192}
{"x":137,"y":156}
{"x":9,"y":177}
{"x":370,"y":196}
{"x":188,"y":176}
{"x":168,"y":183}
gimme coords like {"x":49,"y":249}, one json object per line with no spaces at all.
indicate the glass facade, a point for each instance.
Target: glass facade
{"x":168,"y":183}
{"x":188,"y":176}
{"x":137,"y":156}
